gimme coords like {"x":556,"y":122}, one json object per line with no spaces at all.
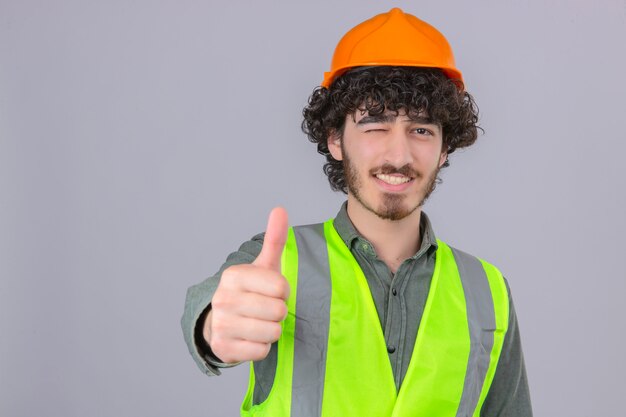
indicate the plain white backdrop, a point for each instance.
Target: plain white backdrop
{"x":142,"y":141}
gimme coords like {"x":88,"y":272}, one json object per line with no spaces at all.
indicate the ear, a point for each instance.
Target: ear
{"x":442,"y":158}
{"x":334,"y":145}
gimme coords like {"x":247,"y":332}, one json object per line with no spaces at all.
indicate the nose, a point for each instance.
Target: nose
{"x":398,"y":150}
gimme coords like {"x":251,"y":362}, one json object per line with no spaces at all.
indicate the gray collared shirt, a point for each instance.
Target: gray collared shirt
{"x":399,"y":300}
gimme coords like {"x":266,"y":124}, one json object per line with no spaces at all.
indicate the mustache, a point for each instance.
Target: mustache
{"x":389,"y":169}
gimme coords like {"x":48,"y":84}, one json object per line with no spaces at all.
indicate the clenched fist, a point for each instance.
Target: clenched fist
{"x":250,"y":301}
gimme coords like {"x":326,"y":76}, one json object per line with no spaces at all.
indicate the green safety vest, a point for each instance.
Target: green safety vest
{"x":332,"y":359}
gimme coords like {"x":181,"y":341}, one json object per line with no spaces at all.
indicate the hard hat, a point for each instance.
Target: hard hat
{"x":393,"y":38}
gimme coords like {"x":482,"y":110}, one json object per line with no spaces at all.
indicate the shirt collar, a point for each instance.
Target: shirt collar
{"x":351,"y":236}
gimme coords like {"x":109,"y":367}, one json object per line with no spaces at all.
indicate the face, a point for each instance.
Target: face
{"x":390,"y":162}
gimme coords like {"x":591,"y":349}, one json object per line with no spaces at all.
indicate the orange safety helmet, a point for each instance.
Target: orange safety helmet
{"x":392,"y":38}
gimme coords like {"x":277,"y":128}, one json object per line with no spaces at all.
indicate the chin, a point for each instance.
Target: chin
{"x":394,"y":207}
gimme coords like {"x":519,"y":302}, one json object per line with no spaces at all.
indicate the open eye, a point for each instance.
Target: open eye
{"x":422,"y":131}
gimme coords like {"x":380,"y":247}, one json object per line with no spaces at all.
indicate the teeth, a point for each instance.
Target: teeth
{"x":393,"y":179}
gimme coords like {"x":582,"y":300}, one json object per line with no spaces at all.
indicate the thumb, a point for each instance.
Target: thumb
{"x":275,"y":238}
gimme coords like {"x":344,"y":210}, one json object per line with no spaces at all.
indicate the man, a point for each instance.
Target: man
{"x":369,"y":314}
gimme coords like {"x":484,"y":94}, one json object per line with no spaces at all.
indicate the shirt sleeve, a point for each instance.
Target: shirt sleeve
{"x":198,"y":303}
{"x":509,"y":395}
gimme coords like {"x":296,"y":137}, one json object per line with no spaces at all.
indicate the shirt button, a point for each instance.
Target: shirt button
{"x":391,"y":349}
{"x":394,"y":292}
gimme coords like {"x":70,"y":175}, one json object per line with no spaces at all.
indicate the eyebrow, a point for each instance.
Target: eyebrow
{"x":388,"y":118}
{"x":379,"y":118}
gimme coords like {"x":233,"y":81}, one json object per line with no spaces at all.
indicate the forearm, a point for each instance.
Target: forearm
{"x":197,"y":306}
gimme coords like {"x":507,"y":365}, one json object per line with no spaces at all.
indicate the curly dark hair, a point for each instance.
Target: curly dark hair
{"x":413,"y":90}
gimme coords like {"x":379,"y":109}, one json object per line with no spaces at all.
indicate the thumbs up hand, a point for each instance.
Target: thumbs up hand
{"x":250,"y":301}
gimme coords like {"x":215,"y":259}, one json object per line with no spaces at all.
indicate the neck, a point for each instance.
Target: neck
{"x":393,"y":240}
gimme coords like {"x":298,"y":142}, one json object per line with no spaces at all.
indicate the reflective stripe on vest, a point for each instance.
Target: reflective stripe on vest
{"x":332,"y":358}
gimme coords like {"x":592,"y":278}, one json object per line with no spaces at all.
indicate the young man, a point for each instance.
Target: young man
{"x":368,"y":314}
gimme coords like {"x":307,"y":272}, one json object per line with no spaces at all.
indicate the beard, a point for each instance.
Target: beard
{"x":393,"y":206}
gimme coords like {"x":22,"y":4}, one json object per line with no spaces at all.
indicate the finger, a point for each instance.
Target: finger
{"x":275,"y":238}
{"x":233,"y":351}
{"x":257,"y":306}
{"x":244,"y":328}
{"x":251,"y":278}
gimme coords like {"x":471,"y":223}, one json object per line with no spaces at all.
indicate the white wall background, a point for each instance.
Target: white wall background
{"x":141,"y":141}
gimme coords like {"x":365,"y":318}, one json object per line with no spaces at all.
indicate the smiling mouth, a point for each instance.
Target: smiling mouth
{"x":393,"y":179}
